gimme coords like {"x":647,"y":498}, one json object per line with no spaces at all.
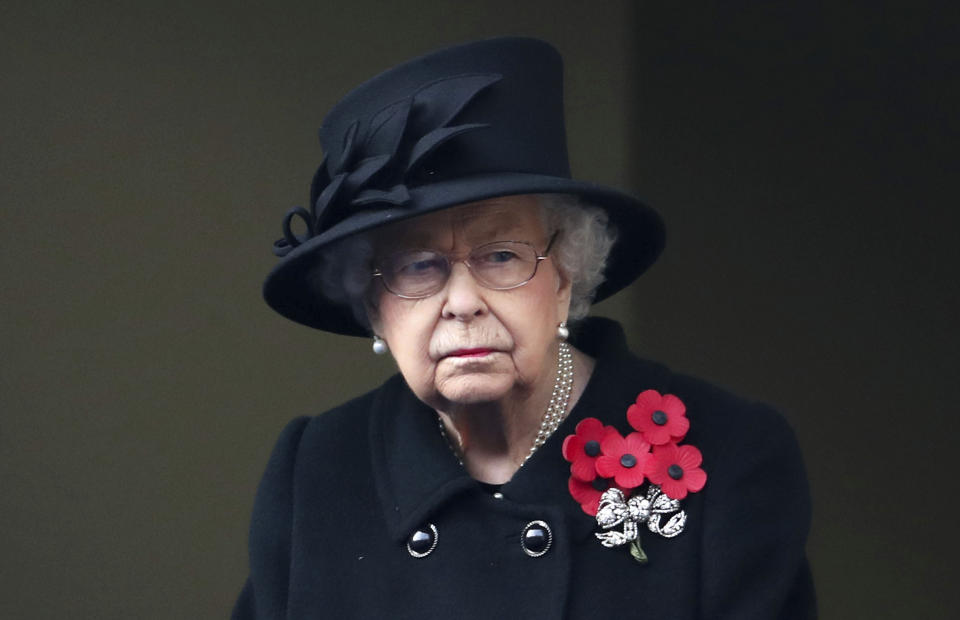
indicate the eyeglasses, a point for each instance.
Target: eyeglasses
{"x":501,"y":265}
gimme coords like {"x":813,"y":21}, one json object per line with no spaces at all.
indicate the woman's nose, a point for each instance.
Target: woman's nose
{"x":464,"y":295}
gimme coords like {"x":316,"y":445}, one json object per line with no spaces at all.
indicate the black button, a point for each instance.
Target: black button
{"x":536,"y":538}
{"x":659,"y":418}
{"x":600,"y":484}
{"x":592,"y":447}
{"x":675,"y":472}
{"x":423,"y":541}
{"x":628,"y":461}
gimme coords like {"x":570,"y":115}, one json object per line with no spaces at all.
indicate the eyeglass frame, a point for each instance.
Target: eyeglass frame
{"x":377,"y":273}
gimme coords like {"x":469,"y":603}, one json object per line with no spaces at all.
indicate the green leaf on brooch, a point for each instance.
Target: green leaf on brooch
{"x":637,"y":552}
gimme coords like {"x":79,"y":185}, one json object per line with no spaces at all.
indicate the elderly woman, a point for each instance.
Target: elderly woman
{"x":523,"y":463}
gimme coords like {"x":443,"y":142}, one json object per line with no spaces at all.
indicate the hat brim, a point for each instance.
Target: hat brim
{"x":640,"y":240}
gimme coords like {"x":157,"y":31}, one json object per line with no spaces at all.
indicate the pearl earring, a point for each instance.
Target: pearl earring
{"x":379,"y":345}
{"x":562,"y":331}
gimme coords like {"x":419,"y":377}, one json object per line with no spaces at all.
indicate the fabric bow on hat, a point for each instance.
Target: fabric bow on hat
{"x":377,"y":160}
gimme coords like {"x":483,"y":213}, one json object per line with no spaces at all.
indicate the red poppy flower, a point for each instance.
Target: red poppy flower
{"x":624,"y":459}
{"x":588,"y":494}
{"x":583,"y":448}
{"x":676,"y":470}
{"x":661,"y":419}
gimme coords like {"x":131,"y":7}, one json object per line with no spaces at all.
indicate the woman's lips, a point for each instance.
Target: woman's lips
{"x":475,"y":352}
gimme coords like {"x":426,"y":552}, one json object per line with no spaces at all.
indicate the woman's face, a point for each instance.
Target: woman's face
{"x":469,"y":344}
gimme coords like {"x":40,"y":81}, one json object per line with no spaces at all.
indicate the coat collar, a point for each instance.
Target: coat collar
{"x":417,"y":474}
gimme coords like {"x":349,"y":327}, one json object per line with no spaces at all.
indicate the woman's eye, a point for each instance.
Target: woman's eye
{"x":497,"y":256}
{"x":419,"y":266}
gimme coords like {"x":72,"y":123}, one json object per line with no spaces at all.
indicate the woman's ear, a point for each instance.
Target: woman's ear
{"x":373,"y":317}
{"x":371,"y":305}
{"x":564,"y":291}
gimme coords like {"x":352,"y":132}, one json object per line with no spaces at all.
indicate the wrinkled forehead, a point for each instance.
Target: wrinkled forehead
{"x":509,"y":218}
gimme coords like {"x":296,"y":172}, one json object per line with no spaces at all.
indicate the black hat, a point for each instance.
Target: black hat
{"x":462,"y":124}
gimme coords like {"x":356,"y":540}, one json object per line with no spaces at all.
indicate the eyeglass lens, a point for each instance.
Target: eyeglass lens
{"x":498,"y":265}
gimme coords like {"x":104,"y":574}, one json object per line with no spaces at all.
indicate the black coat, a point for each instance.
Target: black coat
{"x":343,"y":492}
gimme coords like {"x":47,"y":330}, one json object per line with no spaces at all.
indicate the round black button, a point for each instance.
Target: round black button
{"x":422,"y":541}
{"x":675,"y":472}
{"x":592,"y":447}
{"x":600,"y":484}
{"x":659,"y":418}
{"x":536,"y":538}
{"x":628,"y":461}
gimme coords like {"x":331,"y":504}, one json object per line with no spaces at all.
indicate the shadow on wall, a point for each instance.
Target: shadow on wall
{"x":800,"y":154}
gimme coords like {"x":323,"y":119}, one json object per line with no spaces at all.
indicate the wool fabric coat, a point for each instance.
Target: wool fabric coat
{"x":344,"y":491}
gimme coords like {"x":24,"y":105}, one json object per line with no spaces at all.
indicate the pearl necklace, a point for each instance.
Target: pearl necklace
{"x":556,"y":411}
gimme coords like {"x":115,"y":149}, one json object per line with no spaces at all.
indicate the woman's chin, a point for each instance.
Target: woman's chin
{"x":475,"y":388}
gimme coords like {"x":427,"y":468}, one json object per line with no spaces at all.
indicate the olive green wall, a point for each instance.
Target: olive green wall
{"x":149,"y":149}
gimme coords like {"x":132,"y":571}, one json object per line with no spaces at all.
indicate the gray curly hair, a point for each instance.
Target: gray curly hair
{"x":580,"y":253}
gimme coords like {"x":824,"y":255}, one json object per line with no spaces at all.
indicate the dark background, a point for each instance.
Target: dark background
{"x":800,"y":153}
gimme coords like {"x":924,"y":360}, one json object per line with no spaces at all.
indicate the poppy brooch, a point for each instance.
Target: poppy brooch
{"x":626,"y":482}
